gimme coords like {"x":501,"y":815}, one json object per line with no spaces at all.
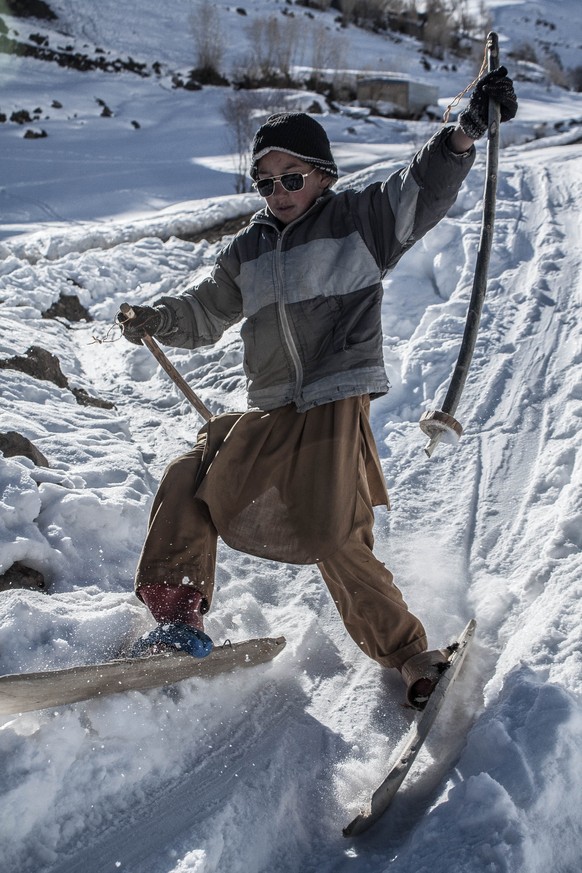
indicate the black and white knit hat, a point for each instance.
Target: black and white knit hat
{"x":295,"y":133}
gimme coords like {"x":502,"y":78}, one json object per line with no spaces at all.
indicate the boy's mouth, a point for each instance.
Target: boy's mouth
{"x":283,"y":209}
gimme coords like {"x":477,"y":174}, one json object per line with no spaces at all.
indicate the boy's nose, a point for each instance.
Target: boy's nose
{"x":280,"y":184}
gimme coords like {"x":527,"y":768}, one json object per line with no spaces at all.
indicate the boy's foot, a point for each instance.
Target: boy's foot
{"x":173,"y":635}
{"x":421,"y":674}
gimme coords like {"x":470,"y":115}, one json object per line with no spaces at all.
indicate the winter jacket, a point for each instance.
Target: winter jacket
{"x":310,"y":292}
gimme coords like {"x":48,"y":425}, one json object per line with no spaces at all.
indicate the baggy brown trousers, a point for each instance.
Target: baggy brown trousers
{"x":187,"y":516}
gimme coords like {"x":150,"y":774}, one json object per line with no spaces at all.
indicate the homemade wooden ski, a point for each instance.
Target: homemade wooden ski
{"x":25,"y":692}
{"x":405,"y":755}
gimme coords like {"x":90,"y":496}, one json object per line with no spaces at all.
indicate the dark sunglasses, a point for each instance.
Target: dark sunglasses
{"x":289,"y":181}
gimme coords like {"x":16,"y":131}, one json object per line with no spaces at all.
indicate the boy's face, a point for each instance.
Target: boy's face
{"x":289,"y":205}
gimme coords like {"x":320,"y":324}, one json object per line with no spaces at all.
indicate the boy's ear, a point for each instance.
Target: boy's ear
{"x":325,"y":180}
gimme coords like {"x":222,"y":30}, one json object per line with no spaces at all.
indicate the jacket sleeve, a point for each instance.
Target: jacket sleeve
{"x":392,"y":215}
{"x":200,"y":315}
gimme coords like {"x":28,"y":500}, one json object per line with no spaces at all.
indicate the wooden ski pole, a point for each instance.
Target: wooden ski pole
{"x":169,"y":368}
{"x":437,"y":423}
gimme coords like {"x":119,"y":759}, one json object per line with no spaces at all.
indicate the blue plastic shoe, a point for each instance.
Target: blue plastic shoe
{"x":173,"y":635}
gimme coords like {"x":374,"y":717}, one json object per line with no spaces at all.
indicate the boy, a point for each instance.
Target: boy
{"x":296,"y":478}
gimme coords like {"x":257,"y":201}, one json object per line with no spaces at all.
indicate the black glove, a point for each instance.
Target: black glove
{"x":474,"y":119}
{"x":147,"y":320}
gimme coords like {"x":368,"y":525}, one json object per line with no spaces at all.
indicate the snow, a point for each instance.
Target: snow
{"x":259,"y":772}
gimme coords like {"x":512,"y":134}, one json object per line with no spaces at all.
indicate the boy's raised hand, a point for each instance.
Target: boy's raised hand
{"x":497,"y":85}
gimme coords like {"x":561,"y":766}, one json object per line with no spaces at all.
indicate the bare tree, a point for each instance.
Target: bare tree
{"x":276,"y":45}
{"x":208,"y":39}
{"x":243,"y":112}
{"x":327,"y":53}
{"x":347,"y":10}
{"x":438,"y":30}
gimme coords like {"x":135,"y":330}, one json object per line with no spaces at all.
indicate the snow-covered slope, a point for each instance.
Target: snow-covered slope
{"x":259,"y":772}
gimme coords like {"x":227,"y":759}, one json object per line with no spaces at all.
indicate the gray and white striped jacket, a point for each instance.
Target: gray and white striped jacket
{"x":310,"y":292}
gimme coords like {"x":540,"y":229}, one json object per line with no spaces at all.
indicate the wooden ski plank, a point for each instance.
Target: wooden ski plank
{"x":31,"y":691}
{"x":407,"y":751}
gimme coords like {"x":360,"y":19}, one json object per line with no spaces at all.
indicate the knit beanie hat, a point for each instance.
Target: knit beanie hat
{"x":296,"y":134}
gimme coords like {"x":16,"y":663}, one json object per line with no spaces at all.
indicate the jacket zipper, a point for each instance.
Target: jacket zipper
{"x":287,"y":335}
{"x":284,"y":321}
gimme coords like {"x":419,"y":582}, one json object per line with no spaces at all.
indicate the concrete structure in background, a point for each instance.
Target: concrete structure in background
{"x":396,"y":96}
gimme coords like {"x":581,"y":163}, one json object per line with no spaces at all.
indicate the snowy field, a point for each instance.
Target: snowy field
{"x":258,"y":773}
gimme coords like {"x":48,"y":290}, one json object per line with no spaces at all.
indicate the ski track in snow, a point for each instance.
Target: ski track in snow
{"x":258,"y":773}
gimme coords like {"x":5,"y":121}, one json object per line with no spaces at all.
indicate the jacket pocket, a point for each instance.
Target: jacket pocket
{"x":264,"y":360}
